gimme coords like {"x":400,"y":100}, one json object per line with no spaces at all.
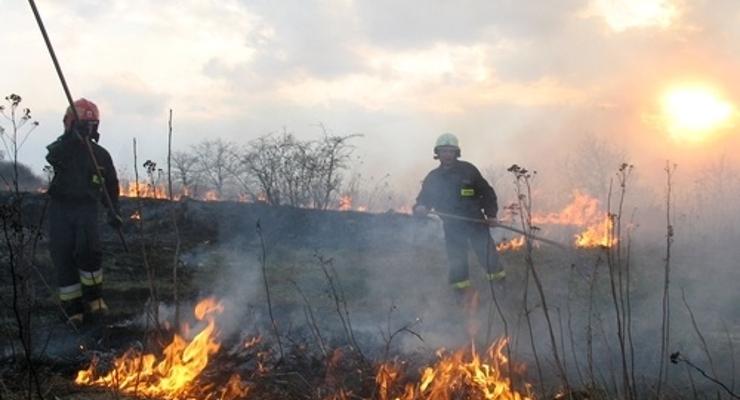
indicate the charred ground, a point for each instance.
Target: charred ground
{"x":350,"y":290}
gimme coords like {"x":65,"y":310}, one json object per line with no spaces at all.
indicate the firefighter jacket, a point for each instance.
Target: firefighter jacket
{"x":458,"y":189}
{"x":75,"y":179}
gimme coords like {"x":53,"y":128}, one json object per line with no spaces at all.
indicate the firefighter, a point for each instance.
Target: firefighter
{"x":456,"y":188}
{"x":76,"y":193}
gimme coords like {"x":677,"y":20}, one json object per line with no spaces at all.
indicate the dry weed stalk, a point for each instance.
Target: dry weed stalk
{"x":524,"y":196}
{"x":619,"y":282}
{"x":666,"y":305}
{"x":20,"y":238}
{"x":389,"y":334}
{"x":677,"y":358}
{"x":263,"y":264}
{"x":311,"y":319}
{"x":340,"y":301}
{"x":153,"y":308}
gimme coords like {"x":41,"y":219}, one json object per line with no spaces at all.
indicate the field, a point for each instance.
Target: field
{"x":359,"y":306}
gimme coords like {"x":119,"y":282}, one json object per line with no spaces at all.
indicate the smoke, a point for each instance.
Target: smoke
{"x":380,"y":274}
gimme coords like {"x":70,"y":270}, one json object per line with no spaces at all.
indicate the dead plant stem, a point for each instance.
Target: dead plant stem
{"x":169,"y":157}
{"x":697,"y":330}
{"x":666,"y":310}
{"x":311,"y":319}
{"x":153,"y":309}
{"x":263,"y":263}
{"x":525,"y":202}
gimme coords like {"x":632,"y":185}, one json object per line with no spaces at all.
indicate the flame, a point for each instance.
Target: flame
{"x":512,"y":244}
{"x":582,"y":211}
{"x":144,"y":190}
{"x":212,"y":195}
{"x":345,"y":203}
{"x":136,"y":216}
{"x":463,"y":374}
{"x":597,"y":235}
{"x":149,"y":191}
{"x":252,"y":342}
{"x":174,"y":374}
{"x":405,"y":209}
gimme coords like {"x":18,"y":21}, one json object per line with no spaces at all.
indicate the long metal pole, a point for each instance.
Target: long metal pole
{"x":502,"y":226}
{"x":86,"y":140}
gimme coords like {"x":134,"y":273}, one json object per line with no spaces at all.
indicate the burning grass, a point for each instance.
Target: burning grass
{"x":220,"y":368}
{"x":191,"y":368}
{"x":173,"y":375}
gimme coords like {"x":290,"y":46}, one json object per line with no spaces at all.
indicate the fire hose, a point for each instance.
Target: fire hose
{"x":86,"y":140}
{"x":494,"y":224}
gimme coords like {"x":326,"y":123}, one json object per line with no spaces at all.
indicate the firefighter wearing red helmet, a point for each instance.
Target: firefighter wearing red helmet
{"x":76,"y":193}
{"x":458,"y":191}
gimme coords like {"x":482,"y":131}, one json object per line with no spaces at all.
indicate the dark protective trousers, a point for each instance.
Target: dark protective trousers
{"x":459,"y":237}
{"x":74,"y":244}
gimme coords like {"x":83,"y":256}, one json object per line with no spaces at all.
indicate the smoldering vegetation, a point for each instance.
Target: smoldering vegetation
{"x":332,"y":295}
{"x":617,"y":314}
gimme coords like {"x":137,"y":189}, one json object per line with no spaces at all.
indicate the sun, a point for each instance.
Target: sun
{"x":693,"y":113}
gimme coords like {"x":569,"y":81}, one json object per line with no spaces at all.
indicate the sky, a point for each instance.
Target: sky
{"x":518,"y":82}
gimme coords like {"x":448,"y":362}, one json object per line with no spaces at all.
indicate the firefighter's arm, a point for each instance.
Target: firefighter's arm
{"x":110,"y":179}
{"x":56,"y":154}
{"x":424,"y":199}
{"x":489,"y":200}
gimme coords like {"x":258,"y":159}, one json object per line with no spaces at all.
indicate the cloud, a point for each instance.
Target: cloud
{"x":501,"y":74}
{"x":408,"y":24}
{"x":633,"y":14}
{"x":129,"y":98}
{"x":312,"y":37}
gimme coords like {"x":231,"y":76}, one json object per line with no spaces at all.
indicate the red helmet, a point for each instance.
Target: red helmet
{"x":86,"y":111}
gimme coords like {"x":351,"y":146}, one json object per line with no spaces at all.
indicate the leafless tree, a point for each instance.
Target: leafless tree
{"x":296,"y":172}
{"x":333,"y":154}
{"x":213,"y":163}
{"x":186,"y":171}
{"x":263,"y":160}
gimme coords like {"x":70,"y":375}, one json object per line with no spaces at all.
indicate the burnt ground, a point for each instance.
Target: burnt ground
{"x":342,"y":282}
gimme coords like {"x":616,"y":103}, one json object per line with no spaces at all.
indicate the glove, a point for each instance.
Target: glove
{"x":114,"y":220}
{"x":420,"y":211}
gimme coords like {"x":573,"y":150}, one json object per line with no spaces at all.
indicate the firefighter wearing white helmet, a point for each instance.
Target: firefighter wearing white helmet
{"x":458,"y":191}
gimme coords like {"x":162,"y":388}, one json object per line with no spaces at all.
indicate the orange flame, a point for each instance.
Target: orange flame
{"x":463,"y":374}
{"x":174,"y":375}
{"x":144,"y":190}
{"x":212,"y":195}
{"x":345,"y":203}
{"x":512,"y":244}
{"x":405,"y":209}
{"x":597,"y":235}
{"x":583,"y":210}
{"x":147,"y":191}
